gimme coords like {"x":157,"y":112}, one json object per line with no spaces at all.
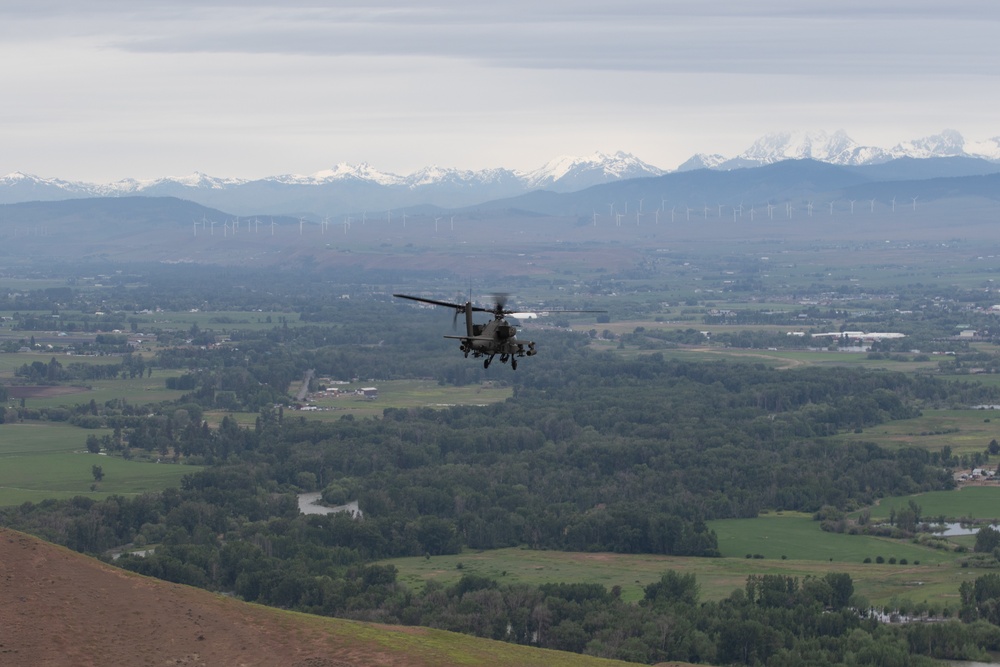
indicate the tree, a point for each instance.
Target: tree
{"x":93,"y":444}
{"x":97,"y":472}
{"x":987,"y":539}
{"x":672,"y":587}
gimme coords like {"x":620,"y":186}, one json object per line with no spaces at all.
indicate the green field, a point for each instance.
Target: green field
{"x":972,"y":502}
{"x":47,"y":460}
{"x":809,"y":552}
{"x":799,"y":537}
{"x":717,"y":577}
{"x":404,"y":394}
{"x":965,"y":431}
{"x":216,"y":320}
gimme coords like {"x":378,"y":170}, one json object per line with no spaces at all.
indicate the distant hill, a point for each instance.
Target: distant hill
{"x":360,"y":191}
{"x":803,"y":200}
{"x":58,"y":607}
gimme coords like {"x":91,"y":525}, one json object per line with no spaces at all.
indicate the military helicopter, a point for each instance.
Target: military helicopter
{"x":494,"y":337}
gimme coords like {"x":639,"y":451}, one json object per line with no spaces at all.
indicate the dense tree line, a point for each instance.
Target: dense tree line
{"x":592,"y":453}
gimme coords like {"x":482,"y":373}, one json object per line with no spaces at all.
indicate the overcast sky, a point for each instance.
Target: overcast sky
{"x":103,"y":90}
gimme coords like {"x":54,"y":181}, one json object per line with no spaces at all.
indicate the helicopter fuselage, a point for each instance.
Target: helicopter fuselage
{"x":495,"y":337}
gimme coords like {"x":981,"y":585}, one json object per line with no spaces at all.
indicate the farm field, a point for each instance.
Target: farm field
{"x":217,"y":320}
{"x":134,"y":390}
{"x":781,"y":358}
{"x":799,"y":537}
{"x":48,"y":460}
{"x":404,"y":394}
{"x":10,"y":362}
{"x":809,"y":551}
{"x":965,"y":431}
{"x":972,"y":502}
{"x":717,"y":577}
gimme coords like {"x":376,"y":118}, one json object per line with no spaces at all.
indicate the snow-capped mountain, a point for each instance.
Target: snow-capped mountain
{"x":948,"y":143}
{"x":839,"y":148}
{"x":347,"y":188}
{"x":567,"y":173}
{"x":836,"y":148}
{"x":363,"y":172}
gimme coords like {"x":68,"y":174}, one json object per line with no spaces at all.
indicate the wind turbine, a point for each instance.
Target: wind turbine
{"x":831,"y":208}
{"x":213,"y":228}
{"x":770,"y":210}
{"x":637,"y":215}
{"x":301,"y":222}
{"x":809,"y":208}
{"x":618,"y":219}
{"x":404,"y":220}
{"x":893,"y":204}
{"x":852,"y":205}
{"x":436,"y":224}
{"x":595,"y":217}
{"x":640,"y":205}
{"x":388,"y":216}
{"x":272,"y":226}
{"x":452,"y":223}
{"x":914,"y":203}
{"x":196,"y":228}
{"x":873,"y":206}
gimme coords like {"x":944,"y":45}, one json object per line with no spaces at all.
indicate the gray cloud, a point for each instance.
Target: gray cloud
{"x":233,"y":87}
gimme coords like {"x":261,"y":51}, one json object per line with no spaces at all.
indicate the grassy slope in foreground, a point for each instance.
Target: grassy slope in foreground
{"x":58,"y":607}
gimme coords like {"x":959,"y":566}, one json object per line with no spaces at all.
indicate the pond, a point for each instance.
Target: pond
{"x":309,"y":504}
{"x":955,"y":529}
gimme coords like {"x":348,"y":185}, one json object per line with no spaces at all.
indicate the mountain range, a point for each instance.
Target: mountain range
{"x":356,"y":189}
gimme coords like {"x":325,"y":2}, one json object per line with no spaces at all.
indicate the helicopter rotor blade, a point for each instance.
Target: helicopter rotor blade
{"x":459,"y":307}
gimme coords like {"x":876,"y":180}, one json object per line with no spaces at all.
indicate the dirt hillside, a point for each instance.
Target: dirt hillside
{"x":58,"y":607}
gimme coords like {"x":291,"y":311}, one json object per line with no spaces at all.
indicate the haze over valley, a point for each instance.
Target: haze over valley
{"x":514,"y":334}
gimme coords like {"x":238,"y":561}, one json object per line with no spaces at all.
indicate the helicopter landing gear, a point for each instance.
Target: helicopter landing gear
{"x":486,"y":363}
{"x":513,"y":364}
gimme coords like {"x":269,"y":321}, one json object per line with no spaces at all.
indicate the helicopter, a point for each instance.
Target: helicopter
{"x":494,"y":337}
